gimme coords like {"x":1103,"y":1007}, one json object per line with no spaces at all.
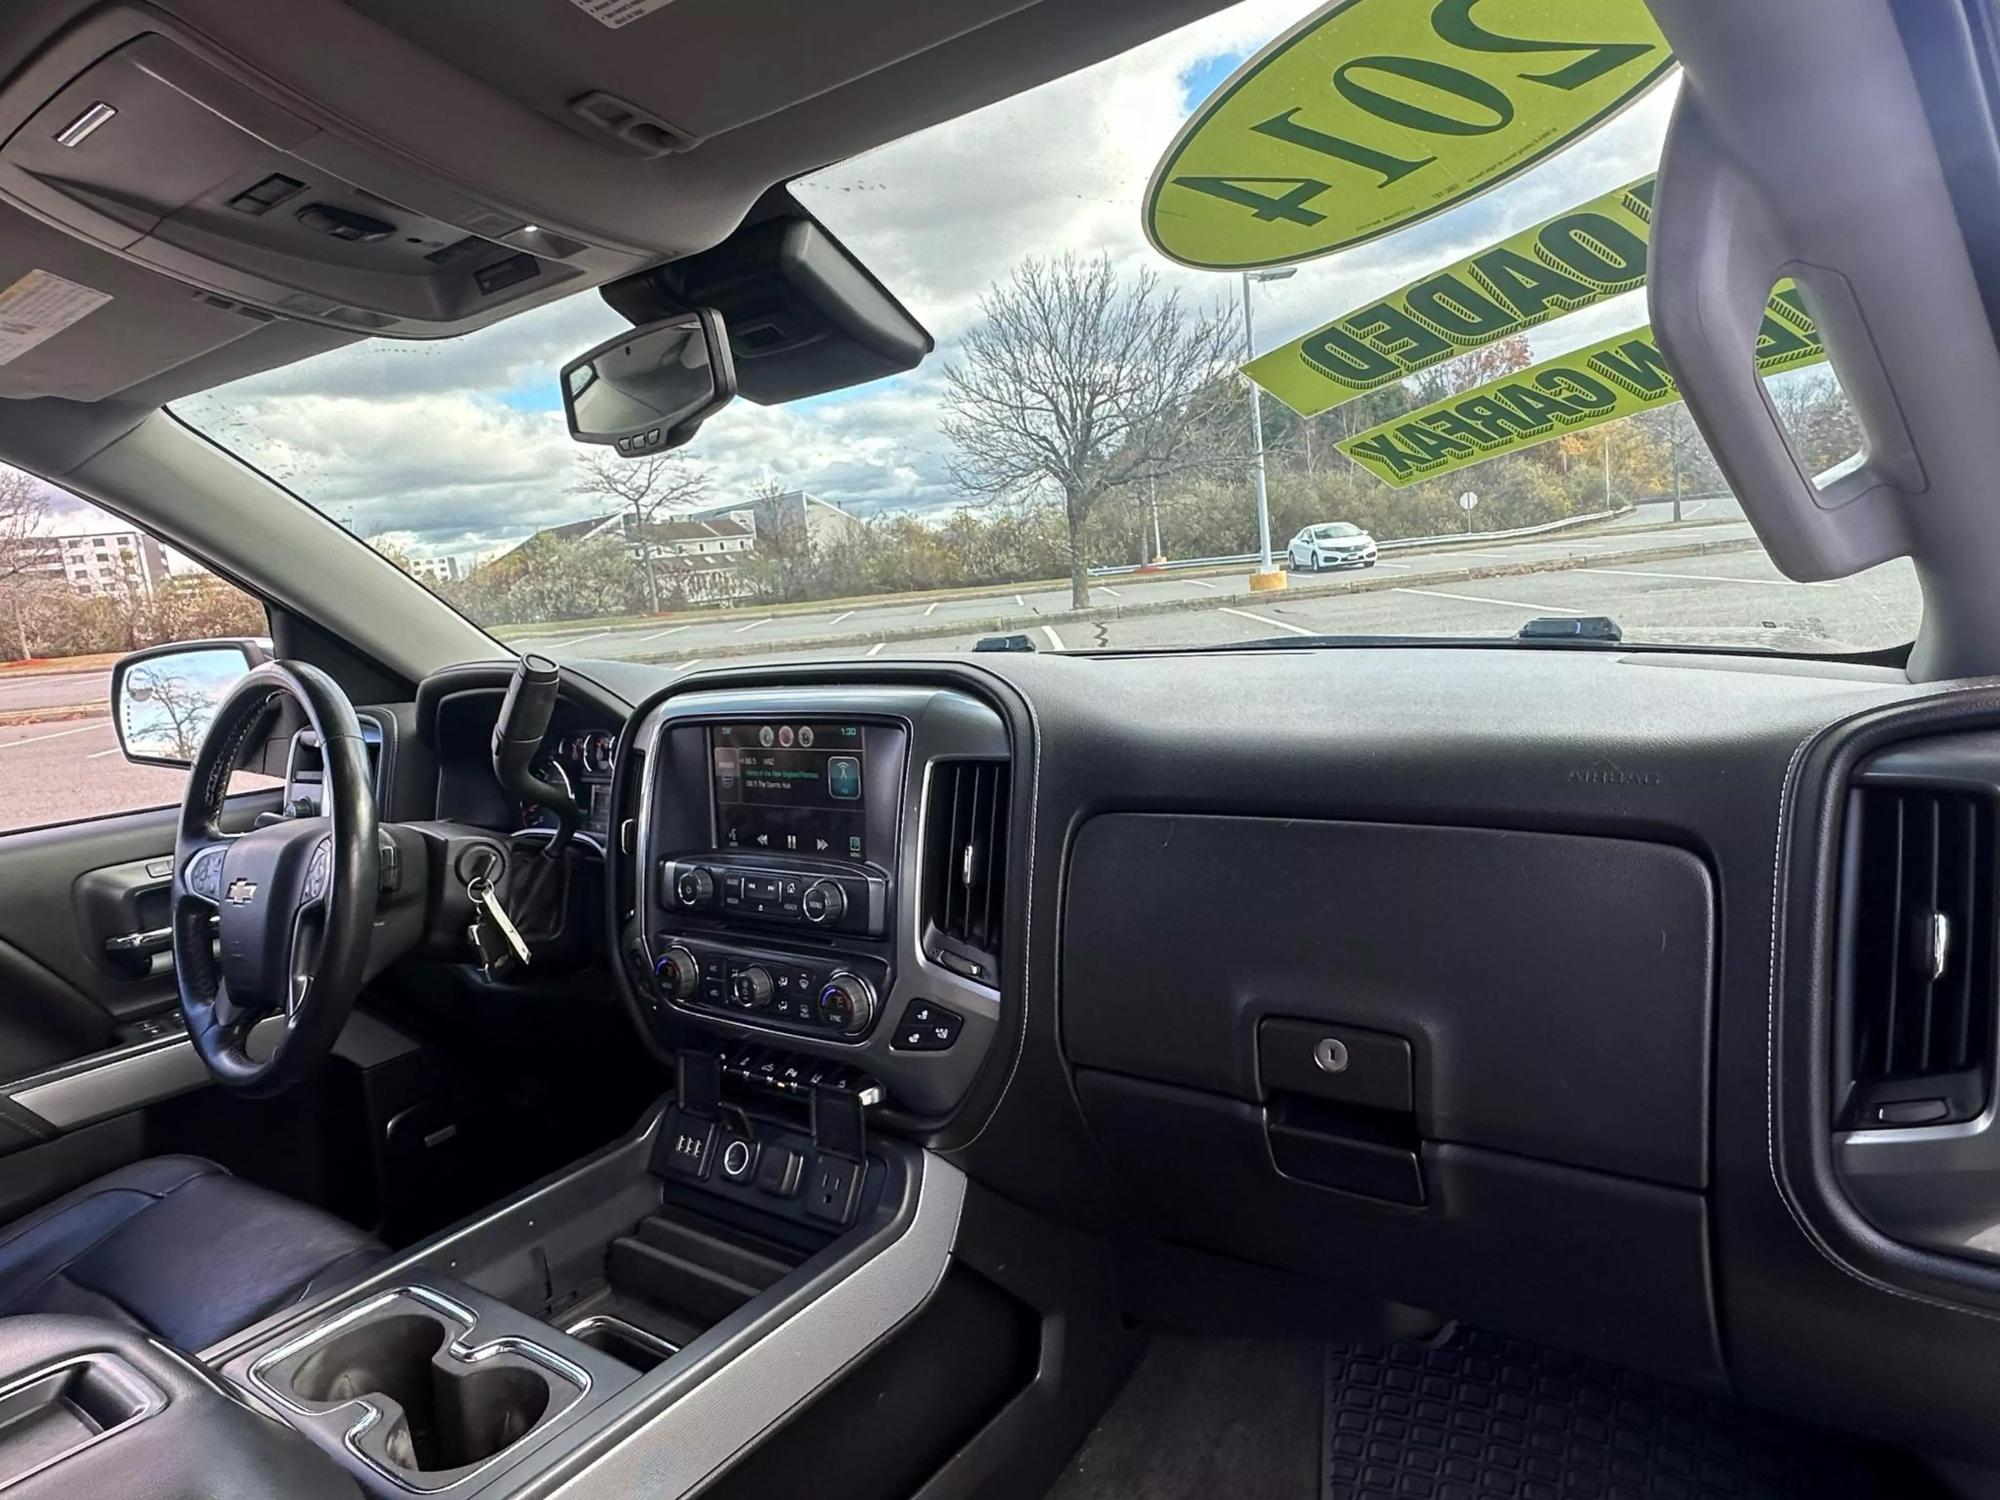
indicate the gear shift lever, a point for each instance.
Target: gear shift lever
{"x":517,"y":739}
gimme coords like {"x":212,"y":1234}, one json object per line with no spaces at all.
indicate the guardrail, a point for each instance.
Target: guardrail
{"x":1395,"y":544}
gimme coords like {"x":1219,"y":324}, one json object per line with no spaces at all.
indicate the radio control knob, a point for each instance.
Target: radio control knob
{"x":752,"y":987}
{"x":694,"y":887}
{"x":824,"y":902}
{"x":847,"y":1003}
{"x":678,"y":973}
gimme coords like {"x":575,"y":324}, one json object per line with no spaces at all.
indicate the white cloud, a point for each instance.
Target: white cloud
{"x":437,"y":443}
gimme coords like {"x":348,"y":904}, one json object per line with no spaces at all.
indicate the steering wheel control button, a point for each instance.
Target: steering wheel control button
{"x":691,"y":1147}
{"x":926,"y":1027}
{"x":824,"y":903}
{"x":694,"y":887}
{"x":318,"y":871}
{"x":739,"y":1159}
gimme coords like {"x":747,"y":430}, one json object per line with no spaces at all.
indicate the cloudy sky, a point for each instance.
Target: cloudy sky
{"x":455,"y":448}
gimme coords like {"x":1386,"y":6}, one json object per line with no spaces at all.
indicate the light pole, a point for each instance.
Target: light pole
{"x":1267,"y":575}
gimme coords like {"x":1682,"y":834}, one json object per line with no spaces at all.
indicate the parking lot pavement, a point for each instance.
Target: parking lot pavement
{"x":735,"y":631}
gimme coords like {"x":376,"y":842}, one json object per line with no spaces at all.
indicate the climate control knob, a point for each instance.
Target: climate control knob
{"x":824,"y":902}
{"x":751,"y":987}
{"x":694,"y":887}
{"x":678,"y":973}
{"x":847,"y":1003}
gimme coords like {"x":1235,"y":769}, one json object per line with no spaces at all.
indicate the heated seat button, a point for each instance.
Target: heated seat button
{"x":926,"y":1027}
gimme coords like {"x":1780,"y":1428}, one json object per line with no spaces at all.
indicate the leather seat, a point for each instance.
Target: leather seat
{"x":178,"y":1247}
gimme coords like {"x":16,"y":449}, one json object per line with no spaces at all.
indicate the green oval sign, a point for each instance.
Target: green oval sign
{"x":1371,"y":115}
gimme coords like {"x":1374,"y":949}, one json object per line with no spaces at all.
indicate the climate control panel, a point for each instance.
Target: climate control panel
{"x":832,"y":996}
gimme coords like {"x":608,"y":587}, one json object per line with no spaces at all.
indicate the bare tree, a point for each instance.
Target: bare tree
{"x":1075,"y":383}
{"x":646,"y":488}
{"x":1672,"y":427}
{"x":24,"y":552}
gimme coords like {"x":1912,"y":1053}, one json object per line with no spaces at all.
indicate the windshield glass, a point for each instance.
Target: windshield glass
{"x":917,"y":514}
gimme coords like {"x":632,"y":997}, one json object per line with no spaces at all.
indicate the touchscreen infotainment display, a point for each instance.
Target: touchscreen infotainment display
{"x":789,"y":787}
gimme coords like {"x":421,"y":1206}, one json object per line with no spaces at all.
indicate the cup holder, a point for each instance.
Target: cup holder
{"x":387,"y":1357}
{"x":466,"y":1418}
{"x":441,"y":1406}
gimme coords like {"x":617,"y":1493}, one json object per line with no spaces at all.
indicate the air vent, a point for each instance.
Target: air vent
{"x":1917,"y":949}
{"x":965,"y":866}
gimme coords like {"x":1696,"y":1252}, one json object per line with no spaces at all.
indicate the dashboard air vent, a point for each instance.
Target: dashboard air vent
{"x":1917,"y":953}
{"x":965,"y":866}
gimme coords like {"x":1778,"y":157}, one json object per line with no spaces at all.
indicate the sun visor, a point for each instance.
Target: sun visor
{"x":133,"y":141}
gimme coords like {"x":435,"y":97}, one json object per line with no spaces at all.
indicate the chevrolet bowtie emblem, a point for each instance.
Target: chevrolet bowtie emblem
{"x":240,"y":892}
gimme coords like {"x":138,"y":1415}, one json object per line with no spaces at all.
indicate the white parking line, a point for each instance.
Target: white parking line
{"x":933,"y":609}
{"x":60,"y":734}
{"x":874,"y":650}
{"x":688,"y":666}
{"x":1201,"y":583}
{"x":1244,"y":614}
{"x":1760,"y":583}
{"x":1693,"y":510}
{"x":834,"y":621}
{"x":1539,"y":609}
{"x":754,"y":624}
{"x":576,"y":640}
{"x":100,"y":754}
{"x":1055,"y":641}
{"x":1399,"y":567}
{"x":1104,"y":588}
{"x":1019,"y":603}
{"x":659,"y":636}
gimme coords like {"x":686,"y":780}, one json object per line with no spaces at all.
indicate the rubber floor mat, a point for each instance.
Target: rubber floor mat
{"x":1478,"y":1417}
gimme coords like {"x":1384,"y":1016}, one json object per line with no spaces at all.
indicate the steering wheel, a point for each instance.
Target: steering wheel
{"x":294,"y":901}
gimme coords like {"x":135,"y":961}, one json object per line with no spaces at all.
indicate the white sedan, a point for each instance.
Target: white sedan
{"x":1335,"y":544}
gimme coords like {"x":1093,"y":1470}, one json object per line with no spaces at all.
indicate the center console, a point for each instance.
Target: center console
{"x":821,"y":882}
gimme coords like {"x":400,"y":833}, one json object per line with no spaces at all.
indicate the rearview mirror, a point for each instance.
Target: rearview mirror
{"x":651,"y":389}
{"x":163,"y":698}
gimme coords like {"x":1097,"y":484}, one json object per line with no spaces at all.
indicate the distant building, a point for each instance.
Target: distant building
{"x":434,"y":569}
{"x":824,"y":520}
{"x":104,"y":562}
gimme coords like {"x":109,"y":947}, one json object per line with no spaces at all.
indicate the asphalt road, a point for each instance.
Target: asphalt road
{"x":54,"y":689}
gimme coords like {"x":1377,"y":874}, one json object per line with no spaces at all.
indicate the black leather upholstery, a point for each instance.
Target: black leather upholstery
{"x":178,"y":1247}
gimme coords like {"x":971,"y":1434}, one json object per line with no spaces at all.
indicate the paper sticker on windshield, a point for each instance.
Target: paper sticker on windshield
{"x":1616,"y":378}
{"x":1573,"y":261}
{"x":616,"y":13}
{"x":1370,"y":115}
{"x":39,"y":306}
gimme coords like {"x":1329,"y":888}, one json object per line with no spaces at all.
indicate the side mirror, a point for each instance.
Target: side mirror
{"x":651,"y":389}
{"x":163,"y":698}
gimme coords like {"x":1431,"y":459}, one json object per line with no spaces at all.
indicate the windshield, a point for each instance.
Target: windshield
{"x":922,"y":513}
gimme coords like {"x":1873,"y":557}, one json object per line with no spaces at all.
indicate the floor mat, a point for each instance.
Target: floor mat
{"x":1473,"y":1416}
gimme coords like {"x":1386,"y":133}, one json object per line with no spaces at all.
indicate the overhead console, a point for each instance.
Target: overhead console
{"x":821,"y":879}
{"x":145,"y":142}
